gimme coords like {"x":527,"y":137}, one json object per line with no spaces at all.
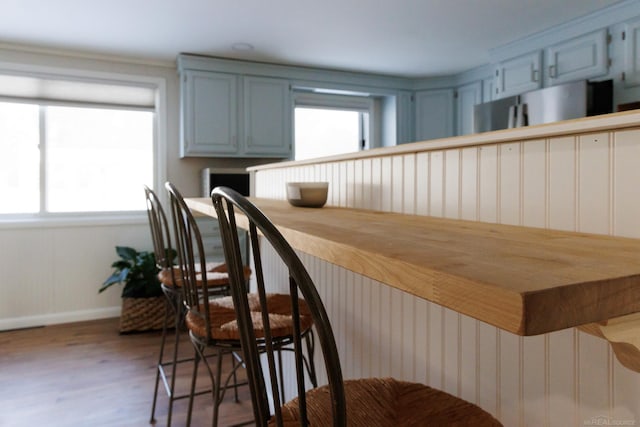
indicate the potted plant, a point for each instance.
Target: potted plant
{"x":143,"y":303}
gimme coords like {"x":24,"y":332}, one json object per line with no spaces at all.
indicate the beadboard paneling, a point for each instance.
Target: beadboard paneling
{"x":59,"y":281}
{"x":626,"y":161}
{"x":488,"y":184}
{"x":585,"y":183}
{"x":561,"y":203}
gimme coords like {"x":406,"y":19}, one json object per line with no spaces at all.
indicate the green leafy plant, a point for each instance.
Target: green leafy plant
{"x":138,"y":271}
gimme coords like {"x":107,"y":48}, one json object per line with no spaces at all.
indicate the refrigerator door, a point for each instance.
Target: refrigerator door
{"x":493,"y":115}
{"x":563,"y":102}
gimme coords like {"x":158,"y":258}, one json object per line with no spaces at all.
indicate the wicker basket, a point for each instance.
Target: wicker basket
{"x":143,"y":314}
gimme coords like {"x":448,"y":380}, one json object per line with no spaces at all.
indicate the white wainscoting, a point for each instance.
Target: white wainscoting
{"x":51,"y":274}
{"x":587,"y":183}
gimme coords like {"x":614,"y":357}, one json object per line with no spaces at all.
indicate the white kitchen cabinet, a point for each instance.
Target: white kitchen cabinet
{"x":467,"y":97}
{"x":209,"y":120}
{"x":631,"y":40}
{"x":583,"y":57}
{"x":267,"y":117}
{"x":434,"y":114}
{"x":518,"y":75}
{"x":229,"y":115}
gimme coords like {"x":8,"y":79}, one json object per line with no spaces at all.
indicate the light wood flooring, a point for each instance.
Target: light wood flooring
{"x":86,"y":374}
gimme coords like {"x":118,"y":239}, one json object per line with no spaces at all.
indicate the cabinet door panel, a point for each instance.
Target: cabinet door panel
{"x":632,"y":53}
{"x":583,"y":57}
{"x":434,"y":114}
{"x":209,"y":121}
{"x":518,"y":75}
{"x":267,"y":119}
{"x":468,"y":96}
{"x":404,"y":118}
{"x":488,"y":92}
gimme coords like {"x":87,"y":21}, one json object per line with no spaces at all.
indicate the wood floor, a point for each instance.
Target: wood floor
{"x":86,"y":374}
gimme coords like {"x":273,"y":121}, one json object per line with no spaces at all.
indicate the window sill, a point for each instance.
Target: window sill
{"x":87,"y":219}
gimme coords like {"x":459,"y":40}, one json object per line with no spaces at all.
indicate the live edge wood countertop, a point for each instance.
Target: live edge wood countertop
{"x":524,"y":280}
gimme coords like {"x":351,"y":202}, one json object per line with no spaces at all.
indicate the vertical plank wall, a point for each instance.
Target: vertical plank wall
{"x":52,"y":273}
{"x":584,"y":183}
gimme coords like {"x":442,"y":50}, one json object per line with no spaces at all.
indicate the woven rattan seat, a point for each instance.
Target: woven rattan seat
{"x":224,"y":325}
{"x":166,"y":275}
{"x":386,"y":402}
{"x":217,"y":275}
{"x":370,"y":402}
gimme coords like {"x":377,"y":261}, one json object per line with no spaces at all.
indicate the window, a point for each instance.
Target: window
{"x":19,"y":162}
{"x":66,"y":156}
{"x":327,"y":125}
{"x":322,"y":132}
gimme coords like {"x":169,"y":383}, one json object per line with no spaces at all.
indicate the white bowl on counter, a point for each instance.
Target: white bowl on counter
{"x":307,"y":194}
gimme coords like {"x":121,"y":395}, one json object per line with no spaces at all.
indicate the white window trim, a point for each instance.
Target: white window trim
{"x":338,"y":102}
{"x":159,"y":84}
{"x":91,"y":219}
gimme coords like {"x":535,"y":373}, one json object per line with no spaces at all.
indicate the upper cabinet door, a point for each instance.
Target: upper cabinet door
{"x":582,"y":57}
{"x":209,"y":114}
{"x":405,"y":127}
{"x":518,"y":75}
{"x":434,"y":114}
{"x":467,"y":97}
{"x":267,"y":117}
{"x":632,"y":53}
{"x":488,"y":93}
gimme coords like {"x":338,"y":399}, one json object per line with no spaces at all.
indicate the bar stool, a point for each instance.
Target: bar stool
{"x":369,"y":402}
{"x":217,"y":282}
{"x":212,"y":322}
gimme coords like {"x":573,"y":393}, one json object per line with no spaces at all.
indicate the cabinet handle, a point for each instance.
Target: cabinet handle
{"x":552,"y":71}
{"x":534,"y":75}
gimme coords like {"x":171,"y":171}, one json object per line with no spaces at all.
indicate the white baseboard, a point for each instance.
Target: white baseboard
{"x":56,"y":318}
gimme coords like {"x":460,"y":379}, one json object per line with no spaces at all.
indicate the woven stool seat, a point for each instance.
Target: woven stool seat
{"x":224,"y":325}
{"x":386,"y":402}
{"x":217,"y":275}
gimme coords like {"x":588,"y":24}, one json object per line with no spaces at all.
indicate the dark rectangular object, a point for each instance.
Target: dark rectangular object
{"x":236,"y":179}
{"x":600,"y":98}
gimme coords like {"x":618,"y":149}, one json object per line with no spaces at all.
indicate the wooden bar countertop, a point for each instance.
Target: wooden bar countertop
{"x":524,"y":280}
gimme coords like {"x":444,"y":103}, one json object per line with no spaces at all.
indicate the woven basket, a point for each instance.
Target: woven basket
{"x":143,"y":314}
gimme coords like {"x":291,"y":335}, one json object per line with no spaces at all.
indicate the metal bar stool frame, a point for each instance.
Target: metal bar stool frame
{"x":189,"y":246}
{"x":161,"y":239}
{"x":165,"y":254}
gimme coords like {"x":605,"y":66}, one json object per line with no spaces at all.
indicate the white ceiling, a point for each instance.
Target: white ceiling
{"x":401,"y":37}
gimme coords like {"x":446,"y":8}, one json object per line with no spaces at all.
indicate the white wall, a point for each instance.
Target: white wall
{"x":50,"y":271}
{"x":566,"y":378}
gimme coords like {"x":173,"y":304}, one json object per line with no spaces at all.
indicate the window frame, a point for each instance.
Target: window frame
{"x":159,"y":143}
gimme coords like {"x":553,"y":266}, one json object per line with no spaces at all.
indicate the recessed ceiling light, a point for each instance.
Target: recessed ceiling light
{"x":242,"y":46}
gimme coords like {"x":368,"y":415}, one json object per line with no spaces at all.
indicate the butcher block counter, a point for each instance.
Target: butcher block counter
{"x":531,"y":230}
{"x":521,"y":279}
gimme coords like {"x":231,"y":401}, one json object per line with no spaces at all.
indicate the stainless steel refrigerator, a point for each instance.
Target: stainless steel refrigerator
{"x":562,"y":102}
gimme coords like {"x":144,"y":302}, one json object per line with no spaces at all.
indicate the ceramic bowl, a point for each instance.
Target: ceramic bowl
{"x":307,"y":194}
